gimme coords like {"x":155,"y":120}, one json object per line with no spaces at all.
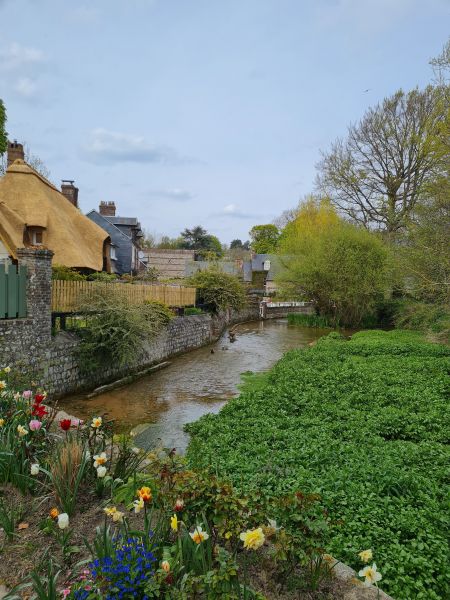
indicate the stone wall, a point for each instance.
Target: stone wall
{"x":24,"y":341}
{"x":28,"y":345}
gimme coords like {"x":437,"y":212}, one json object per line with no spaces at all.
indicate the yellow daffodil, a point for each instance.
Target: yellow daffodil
{"x":165,"y":566}
{"x":116,"y":515}
{"x":174,"y":523}
{"x":228,"y":535}
{"x":365,"y":555}
{"x":198,"y":535}
{"x":2,"y":422}
{"x":253,"y":538}
{"x":100,"y":459}
{"x":96,"y":422}
{"x":21,"y":431}
{"x":145,"y":493}
{"x":370,"y":574}
{"x":138,"y":505}
{"x":7,"y":369}
{"x":2,"y":385}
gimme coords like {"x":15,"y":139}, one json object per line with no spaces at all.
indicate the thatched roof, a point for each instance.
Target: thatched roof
{"x":28,"y":200}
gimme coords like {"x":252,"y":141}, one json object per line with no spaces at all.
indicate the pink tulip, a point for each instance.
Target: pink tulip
{"x":27,"y":394}
{"x":65,"y":592}
{"x":34,"y":425}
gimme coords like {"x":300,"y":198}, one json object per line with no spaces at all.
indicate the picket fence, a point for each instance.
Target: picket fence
{"x":69,"y":296}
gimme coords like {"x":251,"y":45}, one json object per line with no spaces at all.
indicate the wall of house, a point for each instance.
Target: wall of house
{"x":27,"y":344}
{"x":123,"y":244}
{"x":169,"y":263}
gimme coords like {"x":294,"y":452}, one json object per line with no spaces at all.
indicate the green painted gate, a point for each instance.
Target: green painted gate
{"x":13,"y":292}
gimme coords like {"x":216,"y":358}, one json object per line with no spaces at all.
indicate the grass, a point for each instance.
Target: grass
{"x":366,"y":424}
{"x":309,"y":320}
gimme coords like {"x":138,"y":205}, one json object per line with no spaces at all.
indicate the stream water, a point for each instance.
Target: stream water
{"x":157,"y":406}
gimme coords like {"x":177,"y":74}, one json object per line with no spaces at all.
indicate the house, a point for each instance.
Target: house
{"x":33,"y":212}
{"x":261,"y":271}
{"x":126,"y":237}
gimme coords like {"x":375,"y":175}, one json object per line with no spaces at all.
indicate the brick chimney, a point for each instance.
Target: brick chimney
{"x":15,"y":151}
{"x":70,"y":191}
{"x":107,"y":209}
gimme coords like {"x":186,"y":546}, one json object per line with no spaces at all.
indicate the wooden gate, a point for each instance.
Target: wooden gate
{"x":13,"y":291}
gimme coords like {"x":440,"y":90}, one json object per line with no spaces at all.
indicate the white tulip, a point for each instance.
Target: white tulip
{"x":34,"y":469}
{"x":63,"y":521}
{"x":101,"y":472}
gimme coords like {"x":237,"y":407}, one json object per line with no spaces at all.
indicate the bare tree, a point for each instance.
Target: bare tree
{"x":376,"y":174}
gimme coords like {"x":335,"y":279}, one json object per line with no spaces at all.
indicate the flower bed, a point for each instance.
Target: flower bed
{"x":87,"y":515}
{"x":364,"y":423}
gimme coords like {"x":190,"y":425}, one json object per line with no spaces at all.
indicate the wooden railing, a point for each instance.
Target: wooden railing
{"x":13,"y":292}
{"x":68,"y":296}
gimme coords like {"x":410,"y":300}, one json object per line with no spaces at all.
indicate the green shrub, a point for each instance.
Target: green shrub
{"x":366,"y":424}
{"x":64,"y":273}
{"x":116,"y":331}
{"x":433,"y":319}
{"x":218,"y":290}
{"x":193,"y":310}
{"x":102,"y":277}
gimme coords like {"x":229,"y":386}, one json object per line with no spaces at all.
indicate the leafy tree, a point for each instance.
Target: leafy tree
{"x":376,"y":174}
{"x":264,"y":238}
{"x":170,"y":243}
{"x":218,"y":290}
{"x":3,"y":133}
{"x":236,"y":244}
{"x":195,"y":238}
{"x":342,"y":268}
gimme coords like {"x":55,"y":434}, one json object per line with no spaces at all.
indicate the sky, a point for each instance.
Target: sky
{"x":210,"y":112}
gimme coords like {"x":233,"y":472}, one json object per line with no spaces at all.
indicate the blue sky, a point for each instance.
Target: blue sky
{"x":208,"y":112}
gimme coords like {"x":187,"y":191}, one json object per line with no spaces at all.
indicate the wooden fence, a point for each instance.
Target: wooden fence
{"x":67,"y":296}
{"x":13,"y":292}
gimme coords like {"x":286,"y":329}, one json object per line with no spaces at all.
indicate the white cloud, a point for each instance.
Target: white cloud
{"x":113,"y":147}
{"x":233,"y":211}
{"x":17,"y":57}
{"x":177,"y":194}
{"x":25,"y":87}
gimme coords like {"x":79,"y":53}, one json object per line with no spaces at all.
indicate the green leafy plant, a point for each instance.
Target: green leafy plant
{"x":116,"y":330}
{"x":218,"y":291}
{"x":364,"y":423}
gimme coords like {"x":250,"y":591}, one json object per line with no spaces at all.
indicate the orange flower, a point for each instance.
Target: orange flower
{"x":145,"y":493}
{"x":54,"y":513}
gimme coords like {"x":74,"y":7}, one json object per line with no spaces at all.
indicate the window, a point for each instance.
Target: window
{"x":112,"y":254}
{"x":36,"y":238}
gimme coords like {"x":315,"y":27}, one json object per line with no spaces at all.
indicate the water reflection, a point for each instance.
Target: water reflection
{"x":194,"y":384}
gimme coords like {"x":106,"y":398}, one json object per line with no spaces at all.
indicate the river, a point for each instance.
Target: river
{"x":158,"y":405}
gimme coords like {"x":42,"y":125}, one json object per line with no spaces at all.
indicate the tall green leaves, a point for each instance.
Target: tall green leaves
{"x":117,"y":331}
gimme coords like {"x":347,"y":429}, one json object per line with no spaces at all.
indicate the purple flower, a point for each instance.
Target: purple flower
{"x":34,"y":425}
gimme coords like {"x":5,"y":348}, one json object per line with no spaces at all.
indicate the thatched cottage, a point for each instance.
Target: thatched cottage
{"x":33,"y":213}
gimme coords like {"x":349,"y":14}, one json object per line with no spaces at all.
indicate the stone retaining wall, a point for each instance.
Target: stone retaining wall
{"x":28,"y":345}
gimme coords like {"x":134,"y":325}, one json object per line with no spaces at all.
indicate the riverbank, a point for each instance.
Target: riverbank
{"x":362,"y":422}
{"x":197,"y":382}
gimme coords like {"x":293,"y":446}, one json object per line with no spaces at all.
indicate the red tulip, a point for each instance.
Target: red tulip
{"x":38,"y":410}
{"x":39,"y":398}
{"x":65,"y":424}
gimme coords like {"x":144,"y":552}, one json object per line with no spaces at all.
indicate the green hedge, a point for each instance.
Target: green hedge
{"x":366,"y":424}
